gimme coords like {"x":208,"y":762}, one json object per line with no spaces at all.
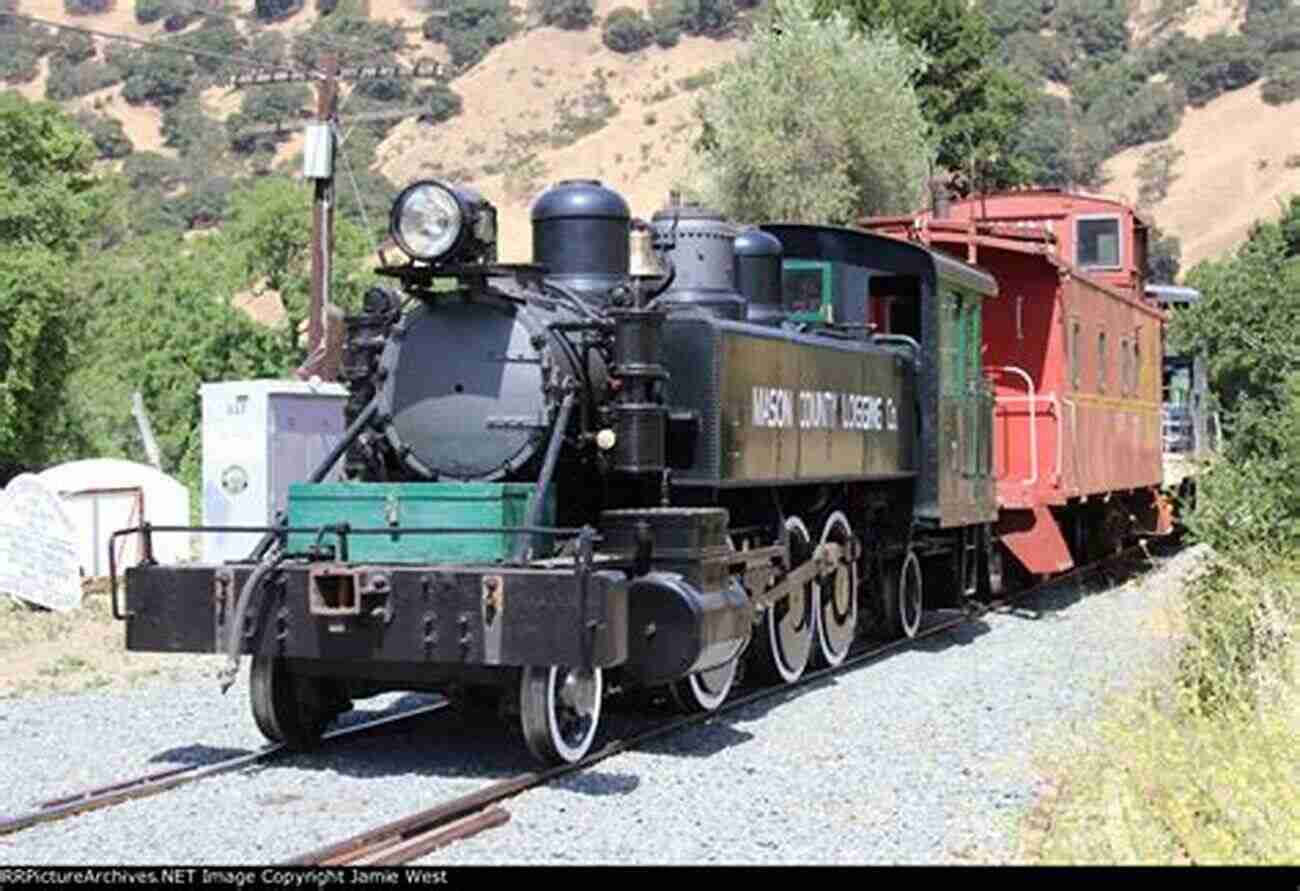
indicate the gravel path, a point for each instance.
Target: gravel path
{"x":923,"y":757}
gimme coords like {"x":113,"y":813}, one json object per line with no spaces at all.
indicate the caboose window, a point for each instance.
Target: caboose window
{"x":1097,"y":243}
{"x":1101,"y":362}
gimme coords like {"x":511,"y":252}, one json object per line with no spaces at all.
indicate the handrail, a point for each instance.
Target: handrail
{"x":1031,"y":398}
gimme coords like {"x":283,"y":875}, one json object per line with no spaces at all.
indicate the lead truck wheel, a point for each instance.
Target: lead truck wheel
{"x":290,"y":708}
{"x":559,"y":711}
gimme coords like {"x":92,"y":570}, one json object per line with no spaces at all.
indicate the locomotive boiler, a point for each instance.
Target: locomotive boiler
{"x":633,"y":463}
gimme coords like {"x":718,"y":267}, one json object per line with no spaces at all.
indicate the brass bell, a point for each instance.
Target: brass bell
{"x":643,"y":262}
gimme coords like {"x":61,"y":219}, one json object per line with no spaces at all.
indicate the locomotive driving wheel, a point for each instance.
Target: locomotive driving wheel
{"x":837,"y":597}
{"x":559,"y":711}
{"x":785,"y":642}
{"x":291,"y":708}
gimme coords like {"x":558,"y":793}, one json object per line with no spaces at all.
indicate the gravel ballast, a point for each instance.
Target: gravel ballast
{"x":925,"y":756}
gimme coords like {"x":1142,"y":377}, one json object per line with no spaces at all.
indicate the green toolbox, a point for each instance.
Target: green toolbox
{"x":398,"y":506}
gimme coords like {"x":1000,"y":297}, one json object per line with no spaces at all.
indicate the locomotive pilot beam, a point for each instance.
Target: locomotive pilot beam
{"x":575,"y":477}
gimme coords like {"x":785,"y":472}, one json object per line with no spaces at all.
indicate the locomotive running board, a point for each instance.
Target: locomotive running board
{"x":1035,"y":539}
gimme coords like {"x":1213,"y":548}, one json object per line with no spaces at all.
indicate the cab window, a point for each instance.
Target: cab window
{"x":1097,"y":243}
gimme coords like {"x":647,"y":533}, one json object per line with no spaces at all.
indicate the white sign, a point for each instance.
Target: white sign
{"x":38,"y":546}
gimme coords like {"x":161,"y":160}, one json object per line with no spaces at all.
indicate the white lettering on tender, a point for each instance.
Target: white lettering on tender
{"x":774,"y":407}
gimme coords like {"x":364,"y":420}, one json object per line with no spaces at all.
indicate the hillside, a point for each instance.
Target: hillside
{"x":1241,"y":157}
{"x":551,"y":104}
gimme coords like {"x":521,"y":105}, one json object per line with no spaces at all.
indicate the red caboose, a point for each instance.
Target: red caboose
{"x":1074,"y":354}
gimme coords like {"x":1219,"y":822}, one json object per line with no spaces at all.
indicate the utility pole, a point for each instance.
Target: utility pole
{"x":324,"y":334}
{"x":322,"y":217}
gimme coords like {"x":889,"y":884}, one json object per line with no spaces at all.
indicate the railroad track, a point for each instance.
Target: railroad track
{"x":408,"y":838}
{"x":149,"y":784}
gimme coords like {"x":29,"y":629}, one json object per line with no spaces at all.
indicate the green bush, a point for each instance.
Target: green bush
{"x":1056,"y":154}
{"x":1096,"y":30}
{"x":87,"y":7}
{"x":277,"y":104}
{"x":275,"y":10}
{"x":1007,"y":17}
{"x":626,"y":31}
{"x":218,"y":37}
{"x":665,"y":22}
{"x":110,"y":139}
{"x":149,"y":11}
{"x":70,"y":81}
{"x":571,"y":14}
{"x":156,"y":77}
{"x":74,"y":48}
{"x":1282,"y":86}
{"x":470,"y":28}
{"x":443,"y":103}
{"x":1207,"y":68}
{"x":1164,"y":256}
{"x":150,"y":170}
{"x":1037,"y":55}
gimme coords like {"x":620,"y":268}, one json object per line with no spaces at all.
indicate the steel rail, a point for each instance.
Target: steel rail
{"x":65,"y":806}
{"x":403,"y":840}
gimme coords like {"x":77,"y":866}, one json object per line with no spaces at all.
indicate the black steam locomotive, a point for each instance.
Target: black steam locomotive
{"x":659,"y":453}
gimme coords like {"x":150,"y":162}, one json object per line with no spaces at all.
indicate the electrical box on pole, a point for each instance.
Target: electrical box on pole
{"x":318,"y":151}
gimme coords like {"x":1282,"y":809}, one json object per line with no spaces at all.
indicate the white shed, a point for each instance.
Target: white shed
{"x":103,"y":495}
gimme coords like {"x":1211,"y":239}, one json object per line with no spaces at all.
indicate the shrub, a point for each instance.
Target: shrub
{"x":71,"y":81}
{"x":442,"y":102}
{"x":149,"y":11}
{"x":87,"y":7}
{"x":1282,"y":86}
{"x":74,"y":48}
{"x":157,"y":77}
{"x":275,"y":10}
{"x":571,"y":14}
{"x":1037,"y":55}
{"x":626,"y":31}
{"x":110,"y":139}
{"x":1155,"y":173}
{"x":469,"y":28}
{"x":665,"y":23}
{"x":1096,"y":30}
{"x":150,"y":170}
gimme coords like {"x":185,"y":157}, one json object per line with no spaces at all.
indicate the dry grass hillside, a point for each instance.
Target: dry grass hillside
{"x":1240,"y":157}
{"x":552,"y":104}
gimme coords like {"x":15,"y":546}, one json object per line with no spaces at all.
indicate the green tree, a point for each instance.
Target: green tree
{"x":270,"y":223}
{"x":975,"y":104}
{"x":816,"y":121}
{"x":164,"y":323}
{"x":1244,"y":325}
{"x":47,"y":210}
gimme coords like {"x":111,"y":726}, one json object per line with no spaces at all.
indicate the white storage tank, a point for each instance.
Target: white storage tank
{"x":258,"y":437}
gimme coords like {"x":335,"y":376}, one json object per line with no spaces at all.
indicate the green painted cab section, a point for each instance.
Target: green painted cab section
{"x":399,"y":506}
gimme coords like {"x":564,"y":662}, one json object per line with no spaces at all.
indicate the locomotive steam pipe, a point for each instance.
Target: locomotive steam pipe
{"x":525,"y":543}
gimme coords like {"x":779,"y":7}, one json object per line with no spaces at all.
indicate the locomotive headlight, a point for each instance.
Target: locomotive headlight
{"x":435,"y":222}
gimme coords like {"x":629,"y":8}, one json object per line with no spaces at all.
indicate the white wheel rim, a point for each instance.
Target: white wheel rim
{"x":789,"y":673}
{"x":571,"y":753}
{"x":709,"y":701}
{"x":834,"y":521}
{"x":909,"y":604}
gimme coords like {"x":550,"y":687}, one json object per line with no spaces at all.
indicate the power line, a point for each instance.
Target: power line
{"x":174,"y":48}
